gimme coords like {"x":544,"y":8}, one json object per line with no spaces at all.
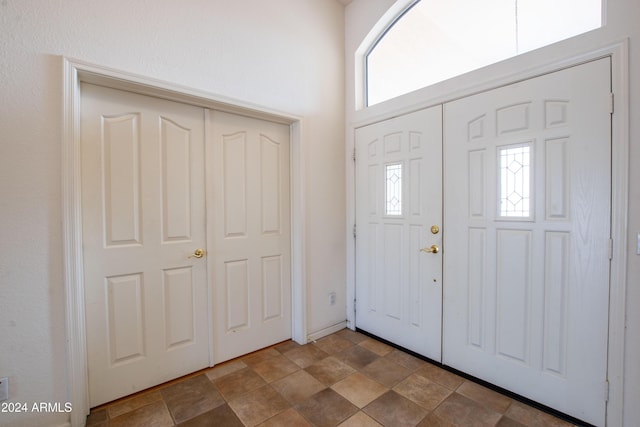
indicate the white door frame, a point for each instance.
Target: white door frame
{"x":619,"y":53}
{"x":76,"y":72}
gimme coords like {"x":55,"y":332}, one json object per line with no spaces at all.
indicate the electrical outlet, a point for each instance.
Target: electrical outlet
{"x":4,"y":389}
{"x":332,"y":298}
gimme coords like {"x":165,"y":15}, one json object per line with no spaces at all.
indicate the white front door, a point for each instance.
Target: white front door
{"x":248,"y":207}
{"x":143,"y":213}
{"x":399,"y":217}
{"x":527,"y":213}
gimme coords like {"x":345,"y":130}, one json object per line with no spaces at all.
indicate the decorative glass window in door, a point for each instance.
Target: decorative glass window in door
{"x":515,"y":181}
{"x":434,"y":40}
{"x":393,"y":189}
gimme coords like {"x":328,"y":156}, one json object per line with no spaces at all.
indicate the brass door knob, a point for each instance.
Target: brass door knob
{"x":198,"y":253}
{"x":434,"y":249}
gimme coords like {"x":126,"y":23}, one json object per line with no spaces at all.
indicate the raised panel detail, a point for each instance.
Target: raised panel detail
{"x":272,"y":287}
{"x":513,"y":282}
{"x":476,"y":282}
{"x":235,"y":184}
{"x":476,"y":184}
{"x":237,"y":286}
{"x":393,"y":270}
{"x":415,"y":141}
{"x":416,"y":281}
{"x":393,"y":143}
{"x":373,"y":282}
{"x":125,"y":308}
{"x":176,"y":181}
{"x":556,"y":289}
{"x":270,"y":168}
{"x":373,"y":149}
{"x":179,"y":307}
{"x":557,"y":179}
{"x":556,"y":113}
{"x":374,"y":189}
{"x":121,"y":178}
{"x":415,"y":186}
{"x":475,"y":128}
{"x":514,"y":118}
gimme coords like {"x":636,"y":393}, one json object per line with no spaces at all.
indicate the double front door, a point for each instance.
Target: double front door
{"x":186,"y":237}
{"x":505,"y":274}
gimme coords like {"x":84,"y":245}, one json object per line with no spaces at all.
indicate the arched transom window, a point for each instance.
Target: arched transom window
{"x":434,"y":40}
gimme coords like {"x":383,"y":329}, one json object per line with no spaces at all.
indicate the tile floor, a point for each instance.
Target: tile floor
{"x":345,"y":379}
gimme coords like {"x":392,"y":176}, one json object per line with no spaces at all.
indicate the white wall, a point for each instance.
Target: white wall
{"x":621,"y":22}
{"x":286,"y":55}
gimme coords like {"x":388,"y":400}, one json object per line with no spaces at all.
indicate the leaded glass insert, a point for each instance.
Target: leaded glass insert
{"x":393,"y":189}
{"x":515,"y":181}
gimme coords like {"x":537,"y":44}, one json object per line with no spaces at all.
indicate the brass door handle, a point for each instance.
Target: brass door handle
{"x":198,"y":253}
{"x":434,"y":249}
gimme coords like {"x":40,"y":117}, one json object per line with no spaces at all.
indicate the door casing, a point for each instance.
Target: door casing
{"x":618,"y":52}
{"x":74,"y":73}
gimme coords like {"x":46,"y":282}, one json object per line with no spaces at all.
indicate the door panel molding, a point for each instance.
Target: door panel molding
{"x":618,"y":51}
{"x":76,"y":72}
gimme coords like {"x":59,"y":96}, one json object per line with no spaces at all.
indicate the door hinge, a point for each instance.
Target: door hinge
{"x":606,"y":391}
{"x":354,"y":231}
{"x":354,"y":154}
{"x":611,"y":108}
{"x":610,"y":249}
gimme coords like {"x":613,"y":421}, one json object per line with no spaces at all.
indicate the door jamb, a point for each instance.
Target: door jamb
{"x":618,"y":51}
{"x":76,"y":72}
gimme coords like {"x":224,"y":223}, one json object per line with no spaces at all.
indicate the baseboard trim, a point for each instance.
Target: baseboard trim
{"x":327,"y":331}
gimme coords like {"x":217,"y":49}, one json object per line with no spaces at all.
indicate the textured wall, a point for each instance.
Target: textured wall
{"x":282,"y":54}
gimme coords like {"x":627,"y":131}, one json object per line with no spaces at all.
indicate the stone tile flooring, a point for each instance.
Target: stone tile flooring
{"x":345,"y":379}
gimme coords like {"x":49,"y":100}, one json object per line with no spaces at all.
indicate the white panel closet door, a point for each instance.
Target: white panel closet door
{"x":399,"y":199}
{"x":143,"y":214}
{"x":527,"y":210}
{"x":248,"y":171}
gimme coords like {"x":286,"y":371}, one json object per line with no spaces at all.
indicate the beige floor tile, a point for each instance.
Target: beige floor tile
{"x":360,"y":419}
{"x":533,"y":417}
{"x":422,"y":391}
{"x":239,"y":382}
{"x":352,"y":336}
{"x":381,"y":349}
{"x":275,"y":368}
{"x":191,"y":397}
{"x":359,"y":389}
{"x":226,"y":368}
{"x":432,"y":420}
{"x":357,"y":357}
{"x":138,"y":401}
{"x":298,"y":386}
{"x":259,"y":356}
{"x":391,"y":409}
{"x":258,"y":405}
{"x":155,"y":414}
{"x":386,"y":372}
{"x":220,"y":416}
{"x":326,"y":409}
{"x":306,"y":355}
{"x":463,"y":411}
{"x":404,"y":359}
{"x":288,"y":418}
{"x":440,"y":376}
{"x":333,"y":344}
{"x":496,"y":401}
{"x":330,"y":370}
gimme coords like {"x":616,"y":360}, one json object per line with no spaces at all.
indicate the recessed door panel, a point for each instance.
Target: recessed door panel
{"x":250,"y":238}
{"x":145,"y":297}
{"x":398,"y":285}
{"x":527,"y":243}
